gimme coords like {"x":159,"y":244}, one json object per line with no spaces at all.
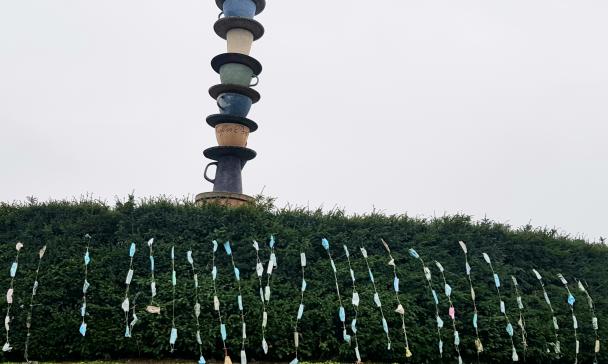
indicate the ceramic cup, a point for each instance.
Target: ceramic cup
{"x":227,"y":174}
{"x":234,"y":104}
{"x":231,"y":135}
{"x":239,"y":41}
{"x":243,"y":8}
{"x":237,"y":74}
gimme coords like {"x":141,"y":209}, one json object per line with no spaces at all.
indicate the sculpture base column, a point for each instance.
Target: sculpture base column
{"x":223,"y":198}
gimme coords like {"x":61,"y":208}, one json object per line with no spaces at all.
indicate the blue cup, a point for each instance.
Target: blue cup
{"x":234,"y":104}
{"x":244,"y":8}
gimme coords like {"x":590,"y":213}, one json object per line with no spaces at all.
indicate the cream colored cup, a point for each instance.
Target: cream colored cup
{"x":239,"y":41}
{"x":231,"y":135}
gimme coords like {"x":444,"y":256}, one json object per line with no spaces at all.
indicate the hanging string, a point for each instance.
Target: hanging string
{"x":259,"y":270}
{"x":9,"y":297}
{"x":451,"y":311}
{"x":594,"y":322}
{"x":28,"y":323}
{"x":173,"y":334}
{"x":355,"y":302}
{"x":341,"y":311}
{"x":478,"y":344}
{"x":556,"y":345}
{"x":85,"y":287}
{"x":153,"y":307}
{"x":400,"y":310}
{"x":216,"y":306}
{"x":265,"y":292}
{"x":571,"y":301}
{"x":377,"y":299}
{"x":521,"y":322}
{"x":125,"y":303}
{"x":427,"y":275}
{"x":197,"y":308}
{"x":503,"y":309}
{"x":237,"y":276}
{"x":296,"y":334}
{"x":272,"y":264}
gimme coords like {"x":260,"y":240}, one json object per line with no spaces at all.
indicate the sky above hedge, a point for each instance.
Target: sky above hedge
{"x":489,"y":109}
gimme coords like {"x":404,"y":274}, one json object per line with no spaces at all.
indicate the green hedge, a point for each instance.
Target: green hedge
{"x":62,"y":226}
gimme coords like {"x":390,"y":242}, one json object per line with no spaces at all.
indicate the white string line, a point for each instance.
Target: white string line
{"x":197,"y":308}
{"x":125,"y":303}
{"x":556,"y":345}
{"x":377,"y":298}
{"x":452,"y":310}
{"x":85,"y":287}
{"x":594,"y":322}
{"x":272,"y":264}
{"x":478,"y":344}
{"x":355,"y":302}
{"x":237,"y":276}
{"x":341,"y":311}
{"x":29,"y":316}
{"x":173,"y":334}
{"x":571,"y":301}
{"x":9,"y":297}
{"x":259,"y":269}
{"x":152,"y":280}
{"x":216,"y":301}
{"x":400,"y":309}
{"x":427,"y":275}
{"x":296,"y":334}
{"x":522,"y":318}
{"x":503,"y":309}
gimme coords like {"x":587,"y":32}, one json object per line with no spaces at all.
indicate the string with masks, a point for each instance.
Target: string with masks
{"x":341,"y":311}
{"x":239,"y":298}
{"x":556,"y":345}
{"x":28,"y":323}
{"x":478,"y":344}
{"x":571,"y":302}
{"x":197,"y":308}
{"x":503,"y":310}
{"x":594,"y":323}
{"x":355,"y":303}
{"x":447,"y":289}
{"x":85,"y":287}
{"x":125,"y":303}
{"x":521,"y":322}
{"x":216,"y":305}
{"x":377,"y":299}
{"x":9,"y":298}
{"x":427,"y":275}
{"x":400,"y":310}
{"x":296,"y":334}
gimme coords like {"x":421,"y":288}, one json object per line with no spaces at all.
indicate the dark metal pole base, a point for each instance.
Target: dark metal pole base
{"x":223,"y":198}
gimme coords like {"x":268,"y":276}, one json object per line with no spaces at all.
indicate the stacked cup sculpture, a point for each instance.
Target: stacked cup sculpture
{"x":234,"y":96}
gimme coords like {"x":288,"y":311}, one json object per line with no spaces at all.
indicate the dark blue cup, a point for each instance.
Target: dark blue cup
{"x":234,"y":104}
{"x":227,"y":174}
{"x":244,"y":8}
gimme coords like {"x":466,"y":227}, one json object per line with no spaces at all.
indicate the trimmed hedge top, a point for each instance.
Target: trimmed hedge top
{"x":62,"y":227}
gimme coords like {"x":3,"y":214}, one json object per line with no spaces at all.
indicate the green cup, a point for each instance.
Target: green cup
{"x":237,"y":74}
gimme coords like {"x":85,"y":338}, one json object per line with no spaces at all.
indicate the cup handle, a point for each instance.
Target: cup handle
{"x":219,"y":16}
{"x":205,"y":173}
{"x":257,"y":80}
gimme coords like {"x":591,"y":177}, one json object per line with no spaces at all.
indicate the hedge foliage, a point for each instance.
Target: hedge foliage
{"x":62,"y":226}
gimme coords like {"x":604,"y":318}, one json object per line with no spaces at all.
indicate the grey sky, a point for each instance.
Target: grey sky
{"x":489,"y":108}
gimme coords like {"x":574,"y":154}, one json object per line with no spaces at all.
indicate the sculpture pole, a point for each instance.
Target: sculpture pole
{"x":234,"y":96}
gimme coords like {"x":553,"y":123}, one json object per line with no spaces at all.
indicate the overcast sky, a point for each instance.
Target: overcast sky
{"x":488,"y":108}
